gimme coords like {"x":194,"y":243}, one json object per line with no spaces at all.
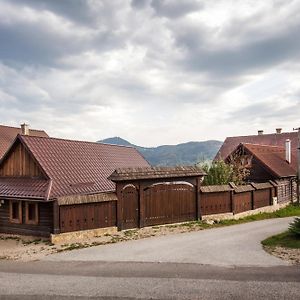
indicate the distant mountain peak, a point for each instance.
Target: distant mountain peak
{"x":188,"y":153}
{"x":116,"y":141}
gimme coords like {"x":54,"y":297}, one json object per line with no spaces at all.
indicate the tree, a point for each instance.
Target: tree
{"x":294,"y":227}
{"x":219,"y":172}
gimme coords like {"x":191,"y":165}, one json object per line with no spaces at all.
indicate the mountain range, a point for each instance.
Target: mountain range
{"x":170,"y":155}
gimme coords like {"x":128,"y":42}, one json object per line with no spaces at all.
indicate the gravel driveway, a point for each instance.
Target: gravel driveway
{"x":236,"y":245}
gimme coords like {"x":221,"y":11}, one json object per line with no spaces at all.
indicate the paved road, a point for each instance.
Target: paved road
{"x":237,"y":245}
{"x":109,"y":280}
{"x":212,"y":264}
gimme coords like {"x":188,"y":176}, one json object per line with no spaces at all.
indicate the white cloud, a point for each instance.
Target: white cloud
{"x":154,"y":72}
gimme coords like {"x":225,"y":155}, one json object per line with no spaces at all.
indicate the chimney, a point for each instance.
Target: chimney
{"x":260,"y":132}
{"x":25,"y":129}
{"x":288,"y":151}
{"x":278,"y":130}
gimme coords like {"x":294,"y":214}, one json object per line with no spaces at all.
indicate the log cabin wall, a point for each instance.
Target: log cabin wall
{"x":43,"y":228}
{"x":286,"y":190}
{"x":19,"y":163}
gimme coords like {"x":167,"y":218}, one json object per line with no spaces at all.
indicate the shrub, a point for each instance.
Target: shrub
{"x":294,"y":227}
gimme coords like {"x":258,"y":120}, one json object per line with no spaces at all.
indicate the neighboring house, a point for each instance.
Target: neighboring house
{"x":267,"y":162}
{"x":274,"y":139}
{"x":38,"y":174}
{"x":8,"y":135}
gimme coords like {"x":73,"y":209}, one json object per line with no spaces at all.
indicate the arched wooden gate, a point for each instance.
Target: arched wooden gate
{"x":130,"y":212}
{"x":169,"y":203}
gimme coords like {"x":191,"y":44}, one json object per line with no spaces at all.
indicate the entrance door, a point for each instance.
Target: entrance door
{"x":130,"y":207}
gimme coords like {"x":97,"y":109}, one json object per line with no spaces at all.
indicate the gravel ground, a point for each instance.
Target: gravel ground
{"x":26,"y":248}
{"x":288,"y":254}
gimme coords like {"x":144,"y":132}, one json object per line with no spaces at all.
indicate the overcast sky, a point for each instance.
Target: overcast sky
{"x":151,"y":71}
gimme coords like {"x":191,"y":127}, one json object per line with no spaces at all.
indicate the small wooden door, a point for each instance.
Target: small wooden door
{"x":130,"y":207}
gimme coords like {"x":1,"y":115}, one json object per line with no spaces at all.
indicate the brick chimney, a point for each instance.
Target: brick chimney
{"x":25,"y":129}
{"x":278,"y":130}
{"x":260,"y":132}
{"x":288,"y":154}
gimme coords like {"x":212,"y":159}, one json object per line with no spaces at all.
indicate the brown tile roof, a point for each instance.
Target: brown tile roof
{"x":77,"y":167}
{"x":273,"y":159}
{"x":8,"y":135}
{"x":273,"y":139}
{"x":122,"y":174}
{"x":23,"y":188}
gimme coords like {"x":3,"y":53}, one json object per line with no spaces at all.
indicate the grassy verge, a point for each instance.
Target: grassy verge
{"x":285,"y":239}
{"x":291,"y":210}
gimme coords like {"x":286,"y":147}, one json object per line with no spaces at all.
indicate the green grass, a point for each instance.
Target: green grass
{"x":288,"y":211}
{"x":285,"y":239}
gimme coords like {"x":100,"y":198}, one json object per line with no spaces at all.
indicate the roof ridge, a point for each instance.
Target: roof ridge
{"x":70,"y":140}
{"x":265,"y":134}
{"x":269,"y":146}
{"x":19,"y":128}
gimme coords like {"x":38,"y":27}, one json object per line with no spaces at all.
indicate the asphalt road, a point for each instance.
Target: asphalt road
{"x":237,"y":245}
{"x":98,"y":280}
{"x":103,"y":278}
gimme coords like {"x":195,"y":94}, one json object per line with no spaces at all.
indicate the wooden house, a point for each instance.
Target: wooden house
{"x":265,"y":162}
{"x":50,"y":185}
{"x":274,"y":139}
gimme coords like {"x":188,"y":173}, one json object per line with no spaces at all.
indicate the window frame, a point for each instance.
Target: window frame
{"x":36,"y":213}
{"x":11,"y":218}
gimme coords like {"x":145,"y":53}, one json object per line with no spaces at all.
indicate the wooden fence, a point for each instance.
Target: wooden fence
{"x":236,"y":199}
{"x":140,"y":205}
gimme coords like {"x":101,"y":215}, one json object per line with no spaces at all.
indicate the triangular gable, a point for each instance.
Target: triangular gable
{"x":270,"y":159}
{"x":18,"y":161}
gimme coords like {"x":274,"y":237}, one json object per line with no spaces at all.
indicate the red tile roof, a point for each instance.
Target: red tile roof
{"x":23,"y":187}
{"x":77,"y":167}
{"x":273,"y":159}
{"x":8,"y":134}
{"x":275,"y":139}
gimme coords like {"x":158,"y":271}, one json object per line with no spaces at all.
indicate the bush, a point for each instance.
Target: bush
{"x":294,"y":227}
{"x":219,"y":172}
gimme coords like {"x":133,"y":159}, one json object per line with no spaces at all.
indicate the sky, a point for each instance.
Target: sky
{"x":150,"y":71}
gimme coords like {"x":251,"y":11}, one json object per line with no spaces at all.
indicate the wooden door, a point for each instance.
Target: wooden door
{"x":130,"y":207}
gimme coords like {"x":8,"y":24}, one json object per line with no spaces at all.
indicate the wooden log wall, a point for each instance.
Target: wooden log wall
{"x":286,"y":190}
{"x":43,"y":228}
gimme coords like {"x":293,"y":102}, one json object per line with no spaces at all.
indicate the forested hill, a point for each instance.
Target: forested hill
{"x":166,"y":155}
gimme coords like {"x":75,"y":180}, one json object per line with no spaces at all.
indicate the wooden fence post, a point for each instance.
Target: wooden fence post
{"x":252,"y":199}
{"x":119,"y":207}
{"x":56,"y":227}
{"x":141,"y":206}
{"x":232,"y":202}
{"x":198,"y":205}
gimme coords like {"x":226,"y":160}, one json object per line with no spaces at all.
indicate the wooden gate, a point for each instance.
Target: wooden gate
{"x":130,"y":198}
{"x":169,"y":203}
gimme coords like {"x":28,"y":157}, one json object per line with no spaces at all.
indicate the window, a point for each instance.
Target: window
{"x":15,"y":212}
{"x":32,"y":213}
